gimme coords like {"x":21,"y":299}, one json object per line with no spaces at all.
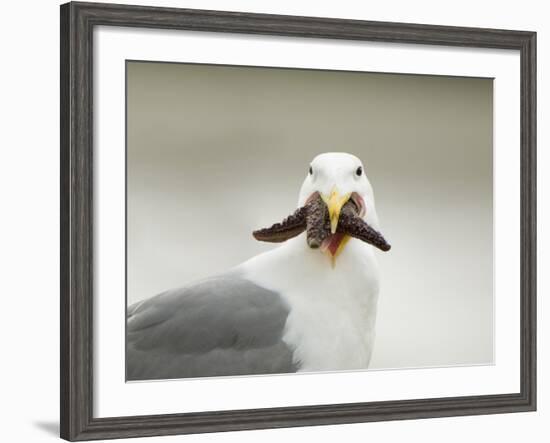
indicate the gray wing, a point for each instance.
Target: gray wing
{"x":220,"y":326}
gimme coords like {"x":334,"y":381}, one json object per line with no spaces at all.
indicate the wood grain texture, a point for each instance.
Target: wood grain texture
{"x":76,"y":307}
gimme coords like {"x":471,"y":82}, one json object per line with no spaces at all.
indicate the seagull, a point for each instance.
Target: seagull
{"x":307,"y":305}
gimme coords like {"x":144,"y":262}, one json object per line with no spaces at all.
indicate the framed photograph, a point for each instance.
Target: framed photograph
{"x":272,"y":221}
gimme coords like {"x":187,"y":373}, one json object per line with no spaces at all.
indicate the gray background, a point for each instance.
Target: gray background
{"x":214,"y":152}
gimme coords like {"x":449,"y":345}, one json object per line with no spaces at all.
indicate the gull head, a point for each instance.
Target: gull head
{"x":339,"y":177}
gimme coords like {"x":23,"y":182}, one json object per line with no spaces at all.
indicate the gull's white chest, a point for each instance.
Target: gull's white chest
{"x":331,"y":327}
{"x":332,"y":311}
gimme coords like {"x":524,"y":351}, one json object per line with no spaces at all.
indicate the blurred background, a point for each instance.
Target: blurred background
{"x":214,"y":152}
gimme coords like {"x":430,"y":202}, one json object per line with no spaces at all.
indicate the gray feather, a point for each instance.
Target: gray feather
{"x":224,"y":325}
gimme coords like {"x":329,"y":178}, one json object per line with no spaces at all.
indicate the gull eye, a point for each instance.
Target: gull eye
{"x":310,"y":170}
{"x":359,"y":171}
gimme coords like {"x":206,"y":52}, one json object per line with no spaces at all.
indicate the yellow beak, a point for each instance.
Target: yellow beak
{"x":334,"y":203}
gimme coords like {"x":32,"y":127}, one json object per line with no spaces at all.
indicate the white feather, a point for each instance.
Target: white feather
{"x":332,"y":309}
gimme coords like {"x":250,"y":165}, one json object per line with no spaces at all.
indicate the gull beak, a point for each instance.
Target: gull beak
{"x":334,"y":203}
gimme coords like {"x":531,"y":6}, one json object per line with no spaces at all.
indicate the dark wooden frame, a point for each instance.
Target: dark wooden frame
{"x":77,"y":23}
